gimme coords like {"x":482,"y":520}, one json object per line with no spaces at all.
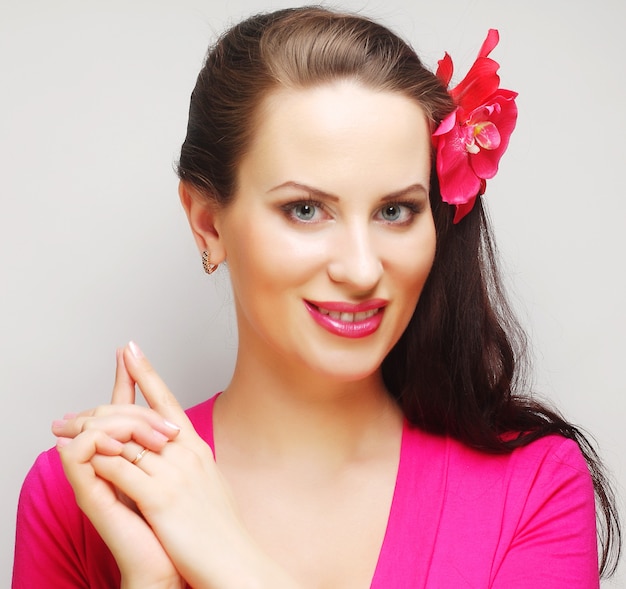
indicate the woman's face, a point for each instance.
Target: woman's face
{"x":330,"y":237}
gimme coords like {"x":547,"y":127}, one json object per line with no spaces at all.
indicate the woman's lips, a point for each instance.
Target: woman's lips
{"x":348,"y":320}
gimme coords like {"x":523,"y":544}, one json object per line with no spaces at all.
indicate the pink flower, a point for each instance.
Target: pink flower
{"x":471,"y":140}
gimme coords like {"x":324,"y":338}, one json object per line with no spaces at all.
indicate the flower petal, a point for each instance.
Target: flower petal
{"x":447,"y":124}
{"x":485,"y":163}
{"x":480,"y":82}
{"x":463,"y":209}
{"x":445,"y":68}
{"x":489,"y":44}
{"x":458,"y":183}
{"x":487,"y":135}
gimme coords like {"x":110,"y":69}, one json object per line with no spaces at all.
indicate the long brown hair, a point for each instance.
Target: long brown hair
{"x":458,"y":368}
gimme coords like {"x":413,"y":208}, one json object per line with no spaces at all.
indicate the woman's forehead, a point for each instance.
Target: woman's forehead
{"x":337,"y":137}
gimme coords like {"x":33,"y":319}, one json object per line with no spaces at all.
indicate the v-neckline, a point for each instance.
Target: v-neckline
{"x":414,"y":512}
{"x":386,"y":548}
{"x":416,"y":507}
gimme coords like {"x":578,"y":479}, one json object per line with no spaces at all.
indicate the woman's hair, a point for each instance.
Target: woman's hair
{"x":293,"y":48}
{"x":457,"y":369}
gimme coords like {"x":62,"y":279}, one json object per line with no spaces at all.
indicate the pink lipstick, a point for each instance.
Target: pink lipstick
{"x":347,"y":319}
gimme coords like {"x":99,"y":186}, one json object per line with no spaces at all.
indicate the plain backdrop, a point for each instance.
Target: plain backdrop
{"x":95,"y":249}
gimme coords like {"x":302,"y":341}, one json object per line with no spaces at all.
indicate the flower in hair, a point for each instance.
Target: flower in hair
{"x":471,"y":140}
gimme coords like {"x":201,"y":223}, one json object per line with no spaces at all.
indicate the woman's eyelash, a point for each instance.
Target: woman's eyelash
{"x":413,"y":206}
{"x":398,"y":210}
{"x":308,"y":208}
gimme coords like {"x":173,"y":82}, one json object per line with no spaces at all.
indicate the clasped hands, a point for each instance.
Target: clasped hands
{"x":165,"y":513}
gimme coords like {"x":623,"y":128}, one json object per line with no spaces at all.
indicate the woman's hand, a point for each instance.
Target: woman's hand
{"x":142,"y":561}
{"x":180,"y":492}
{"x":175,"y":486}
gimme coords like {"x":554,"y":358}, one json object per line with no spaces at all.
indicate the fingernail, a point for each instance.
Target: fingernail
{"x":134,"y":348}
{"x":116,"y":445}
{"x":171,"y":425}
{"x":58,"y":423}
{"x":63,"y":442}
{"x":160,"y":437}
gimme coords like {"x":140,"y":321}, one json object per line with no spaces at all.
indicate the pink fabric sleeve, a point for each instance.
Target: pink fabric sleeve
{"x":554,"y":538}
{"x":56,"y":546}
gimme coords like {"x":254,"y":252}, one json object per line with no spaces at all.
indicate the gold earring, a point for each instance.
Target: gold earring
{"x":206,"y":263}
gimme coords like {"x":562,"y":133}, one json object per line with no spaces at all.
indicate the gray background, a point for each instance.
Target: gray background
{"x":94,"y":248}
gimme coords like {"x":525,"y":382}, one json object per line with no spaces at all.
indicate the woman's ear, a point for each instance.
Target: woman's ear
{"x":203,"y":220}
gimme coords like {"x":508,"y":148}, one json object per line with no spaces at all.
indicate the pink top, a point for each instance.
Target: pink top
{"x":459,"y":519}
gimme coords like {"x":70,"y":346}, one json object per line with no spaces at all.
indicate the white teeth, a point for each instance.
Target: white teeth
{"x":349,"y":317}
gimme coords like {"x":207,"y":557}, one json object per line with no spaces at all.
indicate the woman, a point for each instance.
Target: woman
{"x":375,"y":431}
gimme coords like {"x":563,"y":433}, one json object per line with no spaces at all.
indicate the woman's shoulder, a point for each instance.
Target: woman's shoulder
{"x":46,"y":506}
{"x":496,"y":515}
{"x":547,"y":478}
{"x":70,"y":553}
{"x":552,"y":453}
{"x":45,"y":479}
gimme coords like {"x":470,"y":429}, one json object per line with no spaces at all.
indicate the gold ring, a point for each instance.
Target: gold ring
{"x":139,"y":456}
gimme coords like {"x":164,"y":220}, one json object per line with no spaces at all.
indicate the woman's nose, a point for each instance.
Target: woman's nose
{"x":355,"y":261}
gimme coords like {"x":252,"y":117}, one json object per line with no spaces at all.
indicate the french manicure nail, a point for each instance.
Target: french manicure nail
{"x":58,"y":423}
{"x":135,"y":349}
{"x":171,"y":425}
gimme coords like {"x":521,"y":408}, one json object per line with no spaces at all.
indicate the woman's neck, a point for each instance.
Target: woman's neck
{"x":273,"y":413}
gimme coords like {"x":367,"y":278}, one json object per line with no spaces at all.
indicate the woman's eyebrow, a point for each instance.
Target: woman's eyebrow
{"x":403,"y":192}
{"x":417,"y":187}
{"x":315,"y":191}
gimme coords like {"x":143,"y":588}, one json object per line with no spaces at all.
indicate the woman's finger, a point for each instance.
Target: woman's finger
{"x":139,"y":555}
{"x":95,"y":443}
{"x":123,"y":423}
{"x":124,"y":386}
{"x":76,"y":455}
{"x":154,"y":390}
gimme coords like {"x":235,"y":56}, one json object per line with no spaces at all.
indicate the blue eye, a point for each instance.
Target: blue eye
{"x":399,"y":213}
{"x":391,"y":213}
{"x":304,"y":211}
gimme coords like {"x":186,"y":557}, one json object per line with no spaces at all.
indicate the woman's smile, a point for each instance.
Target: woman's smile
{"x":346,"y":319}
